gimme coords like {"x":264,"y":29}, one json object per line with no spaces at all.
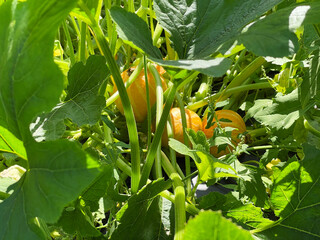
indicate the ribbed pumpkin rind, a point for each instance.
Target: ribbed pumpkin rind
{"x":137,"y":92}
{"x":193,"y":121}
{"x":236,"y":122}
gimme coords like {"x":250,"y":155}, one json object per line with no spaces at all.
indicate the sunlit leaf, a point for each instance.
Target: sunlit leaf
{"x":59,"y":172}
{"x":198,"y":28}
{"x":294,"y":197}
{"x":140,"y":218}
{"x":82,"y":105}
{"x":30,"y":81}
{"x":274,"y":35}
{"x":210,"y":225}
{"x":281,"y":113}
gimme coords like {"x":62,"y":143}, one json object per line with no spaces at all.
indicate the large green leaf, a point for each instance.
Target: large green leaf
{"x":10,"y":143}
{"x":281,"y":113}
{"x":82,"y":105}
{"x":210,"y":225}
{"x":59,"y":172}
{"x":309,"y":87}
{"x":132,"y":28}
{"x":274,"y":35}
{"x":198,"y":28}
{"x":30,"y":84}
{"x":140,"y":218}
{"x":78,"y":220}
{"x":245,"y":214}
{"x":295,"y":199}
{"x":30,"y":81}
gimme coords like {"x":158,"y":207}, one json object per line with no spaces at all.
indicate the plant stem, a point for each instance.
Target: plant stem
{"x":179,"y":206}
{"x":168,"y":167}
{"x":157,"y":34}
{"x":244,"y":74}
{"x":149,"y":117}
{"x":159,"y":107}
{"x":189,"y":207}
{"x":131,"y":6}
{"x":128,"y":112}
{"x":83,"y":36}
{"x":131,"y":79}
{"x":230,"y":91}
{"x":170,"y":51}
{"x":173,"y":156}
{"x":185,"y":139}
{"x":271,"y":147}
{"x":257,"y":132}
{"x":310,"y":128}
{"x":69,"y":41}
{"x":157,"y":136}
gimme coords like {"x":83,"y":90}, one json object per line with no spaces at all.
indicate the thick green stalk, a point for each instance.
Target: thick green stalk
{"x":149,"y":117}
{"x":144,"y":7}
{"x":230,"y":91}
{"x":151,"y":16}
{"x":179,"y":206}
{"x":157,"y":137}
{"x":157,"y":34}
{"x":111,"y":31}
{"x":189,"y":207}
{"x":83,"y":36}
{"x":130,"y":6}
{"x":98,"y":11}
{"x":310,"y":128}
{"x":185,"y":139}
{"x":271,"y":147}
{"x":173,"y":156}
{"x":168,"y":167}
{"x":131,"y":79}
{"x":128,"y":112}
{"x":170,"y":51}
{"x":159,"y":107}
{"x":70,"y":45}
{"x":243,"y":75}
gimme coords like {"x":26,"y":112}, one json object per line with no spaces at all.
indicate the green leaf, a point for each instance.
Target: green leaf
{"x":98,"y":188}
{"x":212,"y":67}
{"x":198,"y":28}
{"x":132,"y":28}
{"x":140,"y":218}
{"x":180,"y":147}
{"x":295,"y":199}
{"x":10,"y":143}
{"x":253,"y":187}
{"x":211,"y":167}
{"x":245,"y":214}
{"x":309,"y":88}
{"x":59,"y":172}
{"x":30,"y":81}
{"x":83,"y":104}
{"x":208,"y":225}
{"x":281,"y":113}
{"x":78,"y":220}
{"x":274,"y":35}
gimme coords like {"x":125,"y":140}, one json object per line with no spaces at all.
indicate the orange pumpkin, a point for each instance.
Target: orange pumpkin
{"x":193,"y":121}
{"x":226,"y":118}
{"x":137,"y":92}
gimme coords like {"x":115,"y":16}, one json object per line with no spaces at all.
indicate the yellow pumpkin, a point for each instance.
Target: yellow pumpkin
{"x":226,"y":118}
{"x":193,"y":121}
{"x":137,"y":92}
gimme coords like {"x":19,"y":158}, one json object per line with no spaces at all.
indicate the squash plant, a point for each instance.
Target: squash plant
{"x":64,"y":173}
